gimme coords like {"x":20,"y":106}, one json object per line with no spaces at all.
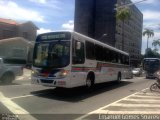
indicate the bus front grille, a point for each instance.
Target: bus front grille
{"x":46,"y":81}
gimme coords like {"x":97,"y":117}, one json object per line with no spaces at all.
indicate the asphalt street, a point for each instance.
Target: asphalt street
{"x":38,"y":102}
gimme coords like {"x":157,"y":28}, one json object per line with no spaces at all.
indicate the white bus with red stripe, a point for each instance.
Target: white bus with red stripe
{"x":69,"y":59}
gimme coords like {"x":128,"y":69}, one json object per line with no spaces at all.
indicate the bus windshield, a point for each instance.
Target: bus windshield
{"x":151,"y":65}
{"x":52,"y":54}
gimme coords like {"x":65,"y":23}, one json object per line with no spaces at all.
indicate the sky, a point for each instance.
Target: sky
{"x":51,"y":15}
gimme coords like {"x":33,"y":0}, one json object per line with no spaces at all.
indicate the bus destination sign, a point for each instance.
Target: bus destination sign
{"x":54,"y":36}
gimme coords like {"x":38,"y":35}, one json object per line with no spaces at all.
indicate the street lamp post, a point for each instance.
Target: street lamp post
{"x":104,"y":35}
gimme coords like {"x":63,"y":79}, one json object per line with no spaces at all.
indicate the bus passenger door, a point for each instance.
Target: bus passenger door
{"x":78,"y":60}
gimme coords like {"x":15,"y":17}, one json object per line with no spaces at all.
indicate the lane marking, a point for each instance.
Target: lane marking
{"x":142,"y":100}
{"x":24,"y":96}
{"x":100,"y":109}
{"x":134,"y":105}
{"x":15,"y":109}
{"x":146,"y":97}
{"x":149,"y":94}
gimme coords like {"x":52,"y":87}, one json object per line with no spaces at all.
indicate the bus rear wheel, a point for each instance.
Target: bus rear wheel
{"x":90,"y":81}
{"x":119,"y":78}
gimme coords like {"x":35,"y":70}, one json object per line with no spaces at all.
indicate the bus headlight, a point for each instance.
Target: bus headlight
{"x":34,"y":72}
{"x":63,"y":73}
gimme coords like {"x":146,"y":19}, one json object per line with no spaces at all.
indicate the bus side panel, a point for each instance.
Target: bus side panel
{"x":78,"y":76}
{"x":107,"y":73}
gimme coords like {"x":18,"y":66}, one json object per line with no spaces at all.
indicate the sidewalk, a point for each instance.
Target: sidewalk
{"x":26,"y":74}
{"x":141,"y":103}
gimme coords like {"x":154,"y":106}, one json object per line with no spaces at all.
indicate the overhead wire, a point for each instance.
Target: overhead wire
{"x":130,"y":4}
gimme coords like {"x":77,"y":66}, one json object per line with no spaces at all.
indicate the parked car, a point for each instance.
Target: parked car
{"x":8,"y":72}
{"x":137,"y":71}
{"x":129,"y":74}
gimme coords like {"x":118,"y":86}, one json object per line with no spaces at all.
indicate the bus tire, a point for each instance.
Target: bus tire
{"x":90,"y":80}
{"x":119,"y":78}
{"x":147,"y":77}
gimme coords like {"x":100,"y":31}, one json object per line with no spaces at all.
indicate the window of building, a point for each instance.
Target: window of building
{"x":8,"y":33}
{"x":25,"y":35}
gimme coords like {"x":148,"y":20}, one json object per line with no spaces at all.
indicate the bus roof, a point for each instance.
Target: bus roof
{"x":151,"y":58}
{"x":100,"y":43}
{"x":91,"y":40}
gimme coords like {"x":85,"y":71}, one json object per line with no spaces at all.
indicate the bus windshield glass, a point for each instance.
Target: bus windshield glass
{"x":52,"y":54}
{"x":151,"y":64}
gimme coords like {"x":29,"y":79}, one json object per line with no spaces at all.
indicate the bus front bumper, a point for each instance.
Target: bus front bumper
{"x":50,"y":82}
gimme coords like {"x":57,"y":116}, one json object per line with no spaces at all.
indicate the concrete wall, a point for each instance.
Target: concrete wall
{"x":12,"y":29}
{"x":28,"y":31}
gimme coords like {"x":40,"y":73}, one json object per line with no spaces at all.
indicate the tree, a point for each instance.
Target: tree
{"x":156,"y":43}
{"x":152,"y":54}
{"x":123,"y":13}
{"x":149,"y":33}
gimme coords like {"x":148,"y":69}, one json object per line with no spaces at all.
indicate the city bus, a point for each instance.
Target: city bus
{"x":69,"y":59}
{"x":151,"y":65}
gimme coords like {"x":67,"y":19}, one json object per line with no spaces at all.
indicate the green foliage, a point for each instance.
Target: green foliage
{"x":151,"y":53}
{"x":123,"y":14}
{"x":156,"y":43}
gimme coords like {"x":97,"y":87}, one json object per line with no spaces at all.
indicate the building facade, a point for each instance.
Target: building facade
{"x":96,"y":19}
{"x":10,"y":28}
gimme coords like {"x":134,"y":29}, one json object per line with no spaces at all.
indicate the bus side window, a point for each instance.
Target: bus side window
{"x":1,"y":61}
{"x":78,"y":52}
{"x":125,"y":60}
{"x":90,"y":52}
{"x":119,"y":59}
{"x":114,"y":57}
{"x":99,"y":53}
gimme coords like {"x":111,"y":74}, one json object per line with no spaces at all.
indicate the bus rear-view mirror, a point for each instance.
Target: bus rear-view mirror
{"x":78,"y":45}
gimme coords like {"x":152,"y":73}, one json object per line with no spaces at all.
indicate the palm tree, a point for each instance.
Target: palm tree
{"x":123,"y":13}
{"x":149,"y":33}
